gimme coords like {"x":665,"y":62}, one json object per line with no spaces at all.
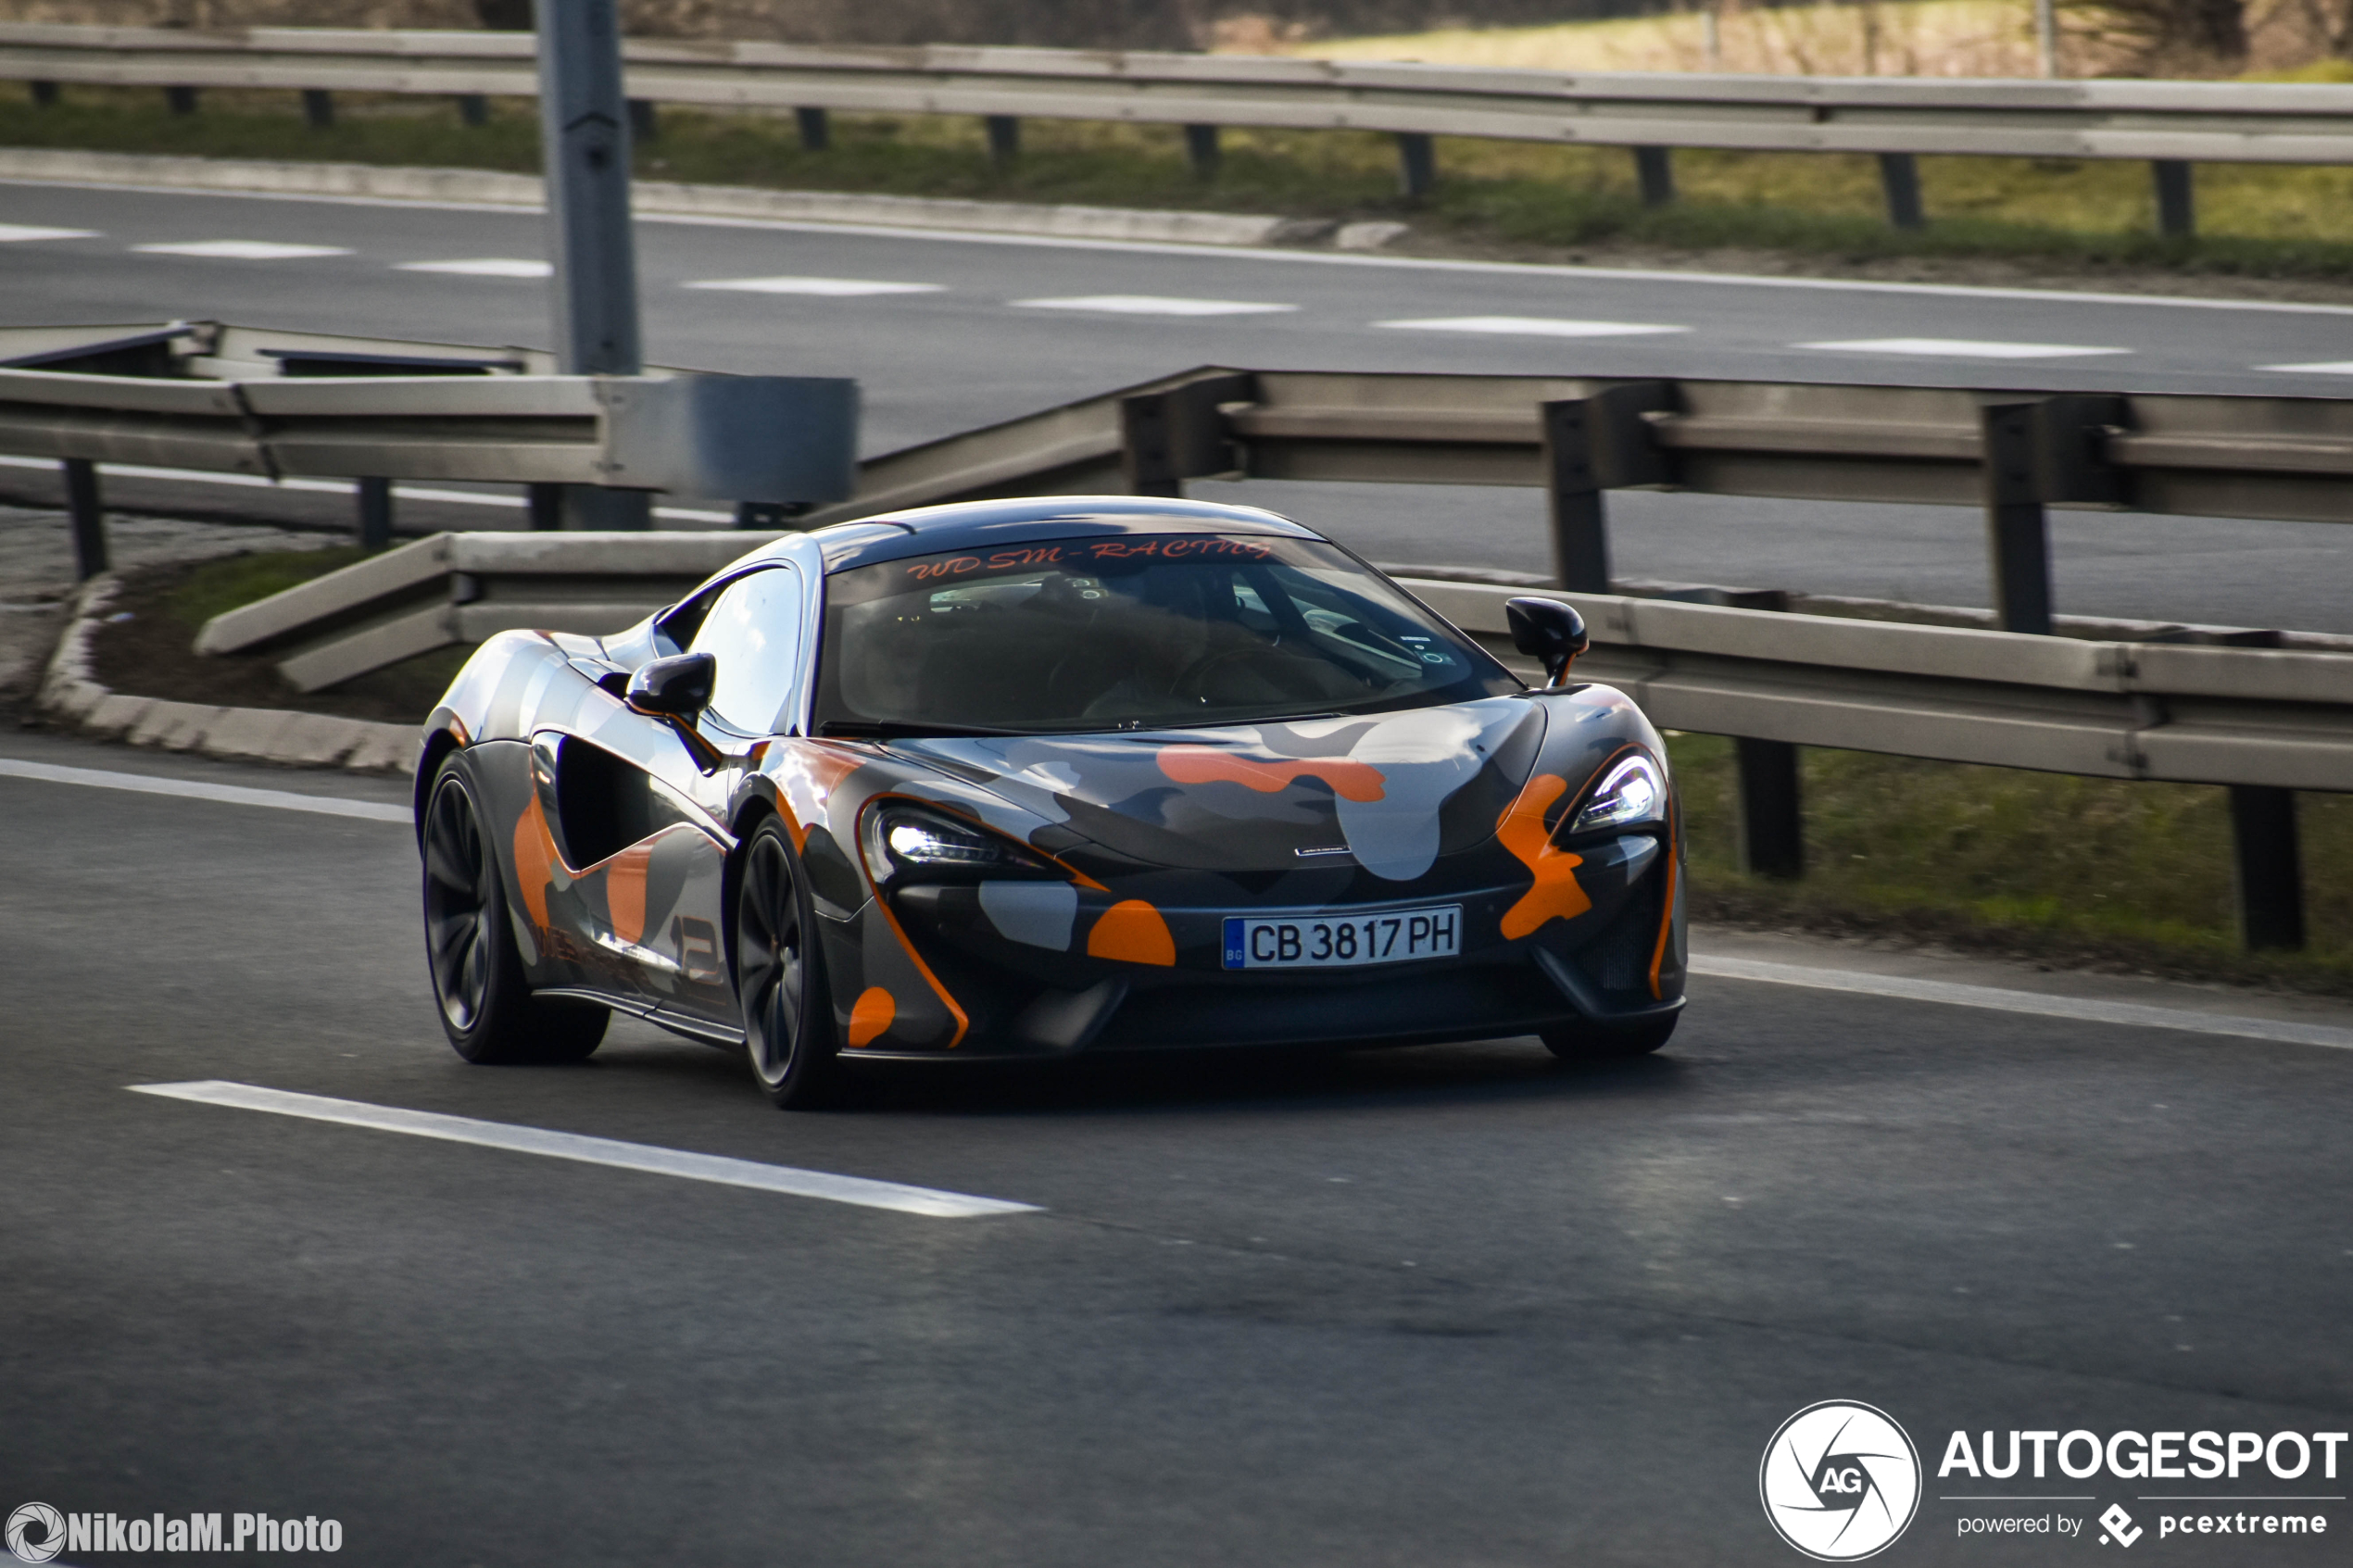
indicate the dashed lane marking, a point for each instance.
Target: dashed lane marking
{"x":1155,"y":305}
{"x":197,"y":789}
{"x":241,"y":250}
{"x":2318,"y":368}
{"x":1529,"y":326}
{"x":2083,"y":1009}
{"x":483,"y":267}
{"x":860,"y":1191}
{"x":19,"y":233}
{"x":1959,"y":348}
{"x":830,"y":288}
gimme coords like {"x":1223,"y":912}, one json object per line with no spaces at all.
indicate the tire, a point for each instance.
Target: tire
{"x":486,"y":1006}
{"x":789,"y":1036}
{"x":1596,"y":1042}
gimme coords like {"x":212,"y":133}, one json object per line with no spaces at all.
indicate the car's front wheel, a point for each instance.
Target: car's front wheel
{"x":780,"y":975}
{"x":486,"y":1006}
{"x":1600,"y":1042}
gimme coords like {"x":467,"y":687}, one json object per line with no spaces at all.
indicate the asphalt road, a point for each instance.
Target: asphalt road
{"x":1450,"y":1305}
{"x":945,"y":332}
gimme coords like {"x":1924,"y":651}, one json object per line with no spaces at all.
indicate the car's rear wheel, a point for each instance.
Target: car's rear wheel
{"x":780,"y":976}
{"x":1598,"y":1042}
{"x":486,"y":1006}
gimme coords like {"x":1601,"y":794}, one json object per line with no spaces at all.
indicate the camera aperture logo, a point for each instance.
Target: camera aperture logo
{"x":36,"y":1533}
{"x":1841,"y":1481}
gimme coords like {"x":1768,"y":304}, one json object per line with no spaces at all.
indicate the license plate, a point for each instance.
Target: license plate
{"x":1330,"y":941}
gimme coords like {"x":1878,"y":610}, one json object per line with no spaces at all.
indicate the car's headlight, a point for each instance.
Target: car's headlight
{"x":910,"y":841}
{"x":1633,"y":791}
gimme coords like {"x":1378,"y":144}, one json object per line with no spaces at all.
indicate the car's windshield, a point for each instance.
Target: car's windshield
{"x":1130,"y":632}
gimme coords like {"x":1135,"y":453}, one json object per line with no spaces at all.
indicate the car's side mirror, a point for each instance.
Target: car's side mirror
{"x":676,"y":687}
{"x":1548,"y":632}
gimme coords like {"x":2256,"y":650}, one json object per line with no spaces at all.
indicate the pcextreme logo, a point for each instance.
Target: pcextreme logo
{"x":1840,"y":1481}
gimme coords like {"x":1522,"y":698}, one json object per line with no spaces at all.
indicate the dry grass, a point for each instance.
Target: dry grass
{"x":1957,"y":38}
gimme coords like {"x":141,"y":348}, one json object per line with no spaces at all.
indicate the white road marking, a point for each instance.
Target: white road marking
{"x":2318,"y":368}
{"x":483,"y":267}
{"x":1237,"y":253}
{"x":1153,"y":304}
{"x":857,"y":1190}
{"x":241,"y":250}
{"x":17,"y":234}
{"x":340,"y":487}
{"x":1959,"y":348}
{"x":2083,"y":1009}
{"x":831,"y":288}
{"x":194,"y":789}
{"x":1529,"y":326}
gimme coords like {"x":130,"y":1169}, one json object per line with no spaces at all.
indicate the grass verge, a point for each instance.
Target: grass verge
{"x":2046,"y":867}
{"x":152,"y":652}
{"x":2258,"y":221}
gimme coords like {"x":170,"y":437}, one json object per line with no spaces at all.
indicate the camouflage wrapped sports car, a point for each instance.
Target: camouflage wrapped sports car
{"x":1034,"y":777}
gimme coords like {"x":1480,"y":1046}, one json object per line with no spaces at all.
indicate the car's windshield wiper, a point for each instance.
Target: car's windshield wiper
{"x":901,"y":729}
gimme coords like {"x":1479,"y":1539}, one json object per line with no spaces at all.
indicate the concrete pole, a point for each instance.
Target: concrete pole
{"x":584,"y":131}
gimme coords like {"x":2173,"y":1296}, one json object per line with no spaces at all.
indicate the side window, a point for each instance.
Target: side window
{"x":754,"y":630}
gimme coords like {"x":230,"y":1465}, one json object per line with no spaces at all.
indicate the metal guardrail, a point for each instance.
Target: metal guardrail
{"x":2171,"y":124}
{"x":2013,"y":455}
{"x":2112,"y":709}
{"x":2262,"y":718}
{"x":460,"y":588}
{"x":279,"y":405}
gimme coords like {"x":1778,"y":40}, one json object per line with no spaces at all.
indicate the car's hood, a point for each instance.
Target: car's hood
{"x":1391,"y":792}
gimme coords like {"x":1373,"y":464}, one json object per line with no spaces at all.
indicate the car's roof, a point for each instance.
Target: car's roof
{"x":968,"y":526}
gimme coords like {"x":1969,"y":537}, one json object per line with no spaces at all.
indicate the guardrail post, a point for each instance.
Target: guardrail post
{"x":89,"y":518}
{"x":645,"y":124}
{"x":816,"y":130}
{"x":1416,"y":165}
{"x":473,"y":108}
{"x":374,"y":497}
{"x":585,"y":137}
{"x":1592,"y":444}
{"x":1573,"y":498}
{"x":45,"y":94}
{"x":179,"y":100}
{"x":1654,"y":169}
{"x":1899,"y":180}
{"x":1004,"y":139}
{"x":2269,"y":878}
{"x":2017,"y":535}
{"x":1773,"y":821}
{"x":318,"y":108}
{"x":544,"y":505}
{"x":2176,"y":206}
{"x":1201,"y":151}
{"x":1168,"y":437}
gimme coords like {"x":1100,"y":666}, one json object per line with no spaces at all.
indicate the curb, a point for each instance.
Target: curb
{"x":71,"y":695}
{"x":665,"y":199}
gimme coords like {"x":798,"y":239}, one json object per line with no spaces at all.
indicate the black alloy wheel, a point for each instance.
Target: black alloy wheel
{"x":486,"y":1006}
{"x":780,"y":975}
